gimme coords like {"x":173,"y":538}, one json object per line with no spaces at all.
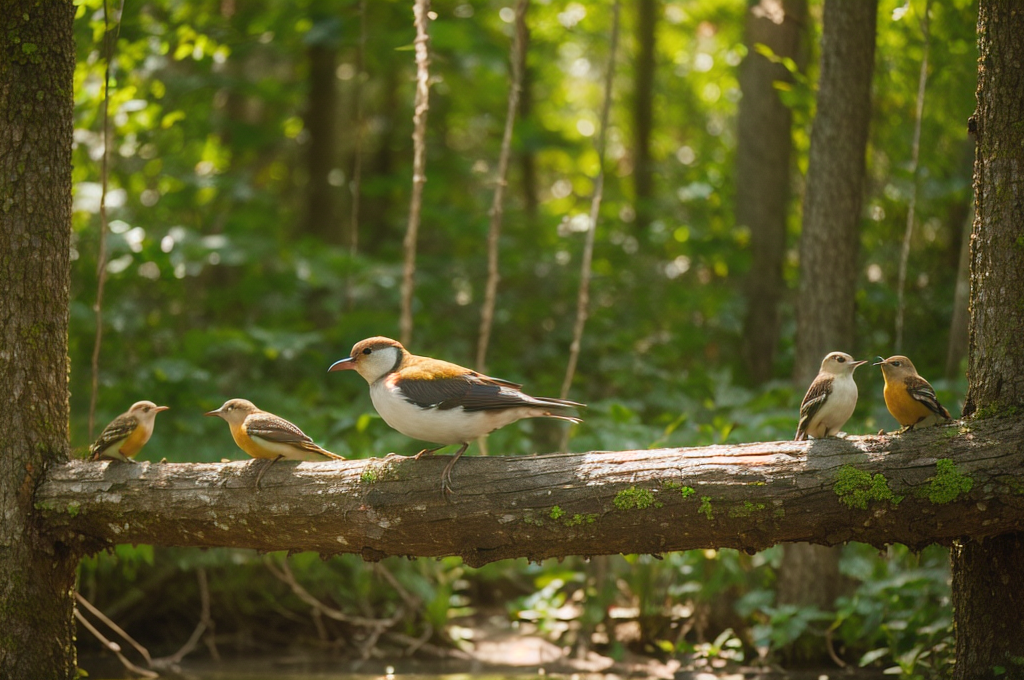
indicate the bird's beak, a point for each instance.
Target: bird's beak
{"x":212,"y":413}
{"x":346,"y":364}
{"x":879,"y":362}
{"x":161,"y":408}
{"x":855,"y":364}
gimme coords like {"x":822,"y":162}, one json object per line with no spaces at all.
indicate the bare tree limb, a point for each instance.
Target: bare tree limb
{"x":875,"y":489}
{"x":113,"y":647}
{"x":420,"y":11}
{"x":114,"y":627}
{"x":518,"y":61}
{"x":583,"y":301}
{"x":915,"y":153}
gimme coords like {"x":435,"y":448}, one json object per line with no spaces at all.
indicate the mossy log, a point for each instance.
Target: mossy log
{"x":931,"y":486}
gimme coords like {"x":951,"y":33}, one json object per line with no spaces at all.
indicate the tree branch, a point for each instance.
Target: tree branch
{"x":923,"y":487}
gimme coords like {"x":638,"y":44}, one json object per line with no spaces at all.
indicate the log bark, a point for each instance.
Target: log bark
{"x":890,"y":489}
{"x":37,"y":63}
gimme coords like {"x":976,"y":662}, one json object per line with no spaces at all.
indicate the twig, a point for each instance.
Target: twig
{"x":517,"y":59}
{"x":114,"y":647}
{"x":915,"y":151}
{"x":411,"y":601}
{"x":357,"y":164}
{"x":831,"y":649}
{"x":114,"y":627}
{"x":172,"y":661}
{"x":583,"y":300}
{"x":284,"y":573}
{"x":101,"y":257}
{"x":420,"y":12}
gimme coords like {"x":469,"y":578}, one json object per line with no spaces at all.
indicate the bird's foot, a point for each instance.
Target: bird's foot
{"x":427,"y":452}
{"x":269,"y":464}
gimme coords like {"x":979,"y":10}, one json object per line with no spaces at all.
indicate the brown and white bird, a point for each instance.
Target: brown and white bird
{"x":441,"y":402}
{"x":266,"y":436}
{"x":830,"y":399}
{"x":908,"y":396}
{"x":126,"y":434}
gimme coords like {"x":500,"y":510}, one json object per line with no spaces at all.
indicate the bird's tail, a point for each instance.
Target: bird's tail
{"x":313,"y":448}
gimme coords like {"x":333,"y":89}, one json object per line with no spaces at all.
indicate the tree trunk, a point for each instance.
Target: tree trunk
{"x":988,"y":597}
{"x":829,"y":242}
{"x":959,"y":325}
{"x":322,"y":143}
{"x":643,"y":112}
{"x":878,"y":490}
{"x":762,"y":171}
{"x":36,"y":84}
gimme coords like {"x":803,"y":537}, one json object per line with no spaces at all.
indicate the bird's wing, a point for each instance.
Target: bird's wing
{"x":275,"y":429}
{"x":817,"y":395}
{"x":113,"y":434}
{"x":923,"y":392}
{"x":473,"y":392}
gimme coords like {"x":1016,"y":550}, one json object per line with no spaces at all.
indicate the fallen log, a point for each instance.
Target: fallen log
{"x":931,"y":486}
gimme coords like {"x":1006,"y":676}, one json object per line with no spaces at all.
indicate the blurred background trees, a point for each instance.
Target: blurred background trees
{"x":237,"y":128}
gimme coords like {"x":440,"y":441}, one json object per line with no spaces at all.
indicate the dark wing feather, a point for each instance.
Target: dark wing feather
{"x":920,"y":390}
{"x":116,"y":431}
{"x":817,"y":395}
{"x":274,"y":429}
{"x":473,"y":392}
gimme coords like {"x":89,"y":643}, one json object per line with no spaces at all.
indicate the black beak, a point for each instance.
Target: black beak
{"x":879,"y":362}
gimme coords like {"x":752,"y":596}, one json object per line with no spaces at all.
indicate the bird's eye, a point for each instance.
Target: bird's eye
{"x":841,"y":360}
{"x":895,"y":363}
{"x":367,"y":350}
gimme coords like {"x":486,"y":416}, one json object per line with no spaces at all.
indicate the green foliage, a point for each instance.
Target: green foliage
{"x":217,"y":287}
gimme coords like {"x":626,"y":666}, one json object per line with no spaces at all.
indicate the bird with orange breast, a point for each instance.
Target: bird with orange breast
{"x":831,"y":398}
{"x":126,"y":434}
{"x":440,"y":402}
{"x":908,"y":396}
{"x":266,"y":436}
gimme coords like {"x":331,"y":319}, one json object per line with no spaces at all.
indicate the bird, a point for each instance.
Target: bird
{"x":126,"y":434}
{"x":440,"y":402}
{"x":908,"y":396}
{"x":266,"y":436}
{"x":830,"y":399}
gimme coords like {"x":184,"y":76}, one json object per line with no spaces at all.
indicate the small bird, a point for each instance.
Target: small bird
{"x":264,"y":435}
{"x":126,"y":434}
{"x":830,"y":399}
{"x":440,"y":402}
{"x":908,"y":396}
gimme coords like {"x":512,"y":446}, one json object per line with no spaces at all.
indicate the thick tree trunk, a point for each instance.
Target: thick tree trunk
{"x":321,"y":148}
{"x":829,"y":242}
{"x":878,"y":490}
{"x":762,"y":171}
{"x":37,"y":65}
{"x":988,"y":597}
{"x":643,"y":111}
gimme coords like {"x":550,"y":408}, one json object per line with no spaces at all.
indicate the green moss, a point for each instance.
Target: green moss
{"x":779,"y":513}
{"x":556,"y":512}
{"x":684,"y":491}
{"x":634,"y":499}
{"x":996,"y":409}
{"x":705,"y":507}
{"x":579,"y":520}
{"x":73,"y":509}
{"x":948,"y":483}
{"x":857,"y":488}
{"x":377,"y":472}
{"x":45,"y":506}
{"x":746,"y":510}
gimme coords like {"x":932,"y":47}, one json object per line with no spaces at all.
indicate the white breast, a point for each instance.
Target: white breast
{"x":836,"y":410}
{"x":449,"y":426}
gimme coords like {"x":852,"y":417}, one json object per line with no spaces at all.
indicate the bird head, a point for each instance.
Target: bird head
{"x":234,"y":411}
{"x":839,"y":363}
{"x":896,"y":367}
{"x":372,"y":358}
{"x":145,"y":411}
